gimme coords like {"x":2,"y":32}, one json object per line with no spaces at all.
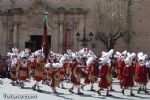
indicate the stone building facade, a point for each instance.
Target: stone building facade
{"x":21,"y":24}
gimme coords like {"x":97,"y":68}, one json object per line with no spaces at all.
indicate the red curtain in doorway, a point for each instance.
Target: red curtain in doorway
{"x":68,"y":39}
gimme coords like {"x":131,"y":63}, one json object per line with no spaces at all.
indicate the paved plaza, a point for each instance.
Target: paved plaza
{"x":7,"y":91}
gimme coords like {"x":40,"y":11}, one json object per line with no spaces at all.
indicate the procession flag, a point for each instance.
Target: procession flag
{"x":45,"y":43}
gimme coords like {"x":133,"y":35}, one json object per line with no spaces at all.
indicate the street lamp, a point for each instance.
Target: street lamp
{"x":84,"y":41}
{"x":13,"y":2}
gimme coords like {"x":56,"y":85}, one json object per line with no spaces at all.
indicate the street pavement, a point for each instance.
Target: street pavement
{"x":9,"y":92}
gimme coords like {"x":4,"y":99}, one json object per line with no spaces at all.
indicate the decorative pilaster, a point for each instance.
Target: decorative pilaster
{"x":81,"y":27}
{"x":15,"y":36}
{"x":15,"y":30}
{"x":61,"y":31}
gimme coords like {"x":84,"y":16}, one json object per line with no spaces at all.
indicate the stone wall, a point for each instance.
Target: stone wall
{"x":141,"y":26}
{"x":31,"y":23}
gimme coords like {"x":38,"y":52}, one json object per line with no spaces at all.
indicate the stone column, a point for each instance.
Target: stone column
{"x":15,"y":30}
{"x":61,"y":32}
{"x":81,"y":28}
{"x":10,"y":30}
{"x":15,"y":36}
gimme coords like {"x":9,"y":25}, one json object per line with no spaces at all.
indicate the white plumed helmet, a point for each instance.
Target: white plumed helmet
{"x":89,"y":61}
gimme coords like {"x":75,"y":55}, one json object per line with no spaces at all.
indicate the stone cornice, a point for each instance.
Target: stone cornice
{"x":71,"y":11}
{"x":13,"y":11}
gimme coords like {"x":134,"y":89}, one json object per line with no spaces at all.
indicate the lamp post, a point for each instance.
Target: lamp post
{"x":13,"y":2}
{"x":84,"y":41}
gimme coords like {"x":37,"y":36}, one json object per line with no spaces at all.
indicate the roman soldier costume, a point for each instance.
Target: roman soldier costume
{"x":76,"y":72}
{"x":55,"y":76}
{"x":105,"y":73}
{"x":91,"y":72}
{"x":39,"y":69}
{"x":14,"y":70}
{"x":141,"y":72}
{"x":128,"y":74}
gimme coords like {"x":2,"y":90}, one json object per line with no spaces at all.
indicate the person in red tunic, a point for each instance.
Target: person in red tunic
{"x":128,"y":74}
{"x":76,"y":74}
{"x":63,"y":61}
{"x":23,"y":71}
{"x":62,"y":76}
{"x":48,"y":70}
{"x":55,"y":78}
{"x":109,"y":76}
{"x":111,"y":68}
{"x":141,"y":73}
{"x":14,"y":70}
{"x":91,"y":73}
{"x":23,"y":67}
{"x":104,"y":82}
{"x":120,"y":66}
{"x":31,"y":65}
{"x":68,"y":65}
{"x":38,"y":74}
{"x":45,"y":80}
{"x":72,"y":77}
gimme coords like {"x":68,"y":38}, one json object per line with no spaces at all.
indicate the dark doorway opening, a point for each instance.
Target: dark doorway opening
{"x":35,"y":42}
{"x":31,"y":45}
